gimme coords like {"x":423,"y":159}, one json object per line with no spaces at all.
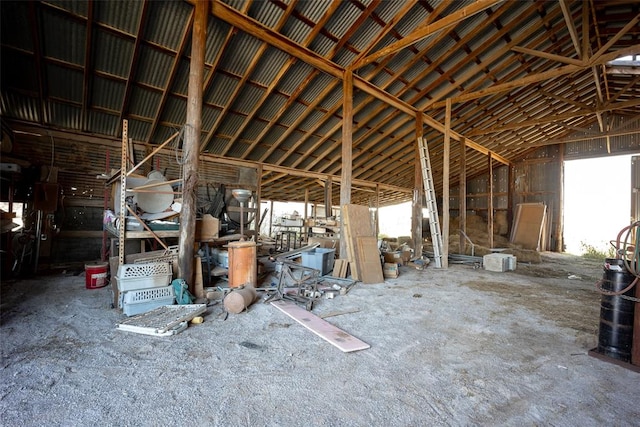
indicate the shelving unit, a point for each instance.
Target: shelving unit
{"x":120,"y":176}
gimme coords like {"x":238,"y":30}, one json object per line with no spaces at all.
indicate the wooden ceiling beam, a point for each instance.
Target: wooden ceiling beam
{"x":408,"y":5}
{"x":186,"y":36}
{"x":489,"y":58}
{"x":214,"y":67}
{"x":546,"y":55}
{"x":527,"y":80}
{"x":233,"y":17}
{"x":568,"y":19}
{"x":281,"y":73}
{"x":250,"y":69}
{"x":426,"y":30}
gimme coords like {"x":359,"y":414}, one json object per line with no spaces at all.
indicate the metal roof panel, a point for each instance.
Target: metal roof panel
{"x":153,"y":67}
{"x":107,"y":93}
{"x":115,"y":55}
{"x":123,"y":15}
{"x":166,"y":21}
{"x":15,"y":29}
{"x":62,"y":37}
{"x":144,"y":102}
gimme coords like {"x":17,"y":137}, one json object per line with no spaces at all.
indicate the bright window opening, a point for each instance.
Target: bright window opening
{"x":597,"y":202}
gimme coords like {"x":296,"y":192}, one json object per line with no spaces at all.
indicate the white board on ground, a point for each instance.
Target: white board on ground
{"x":321,"y":327}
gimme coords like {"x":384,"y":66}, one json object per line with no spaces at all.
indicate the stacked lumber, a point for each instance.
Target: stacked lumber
{"x":362,"y":244}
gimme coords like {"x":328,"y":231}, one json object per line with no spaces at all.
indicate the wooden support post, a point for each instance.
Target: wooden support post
{"x":559,"y":214}
{"x":377,"y":210}
{"x":191,"y":143}
{"x":347,"y":142}
{"x":257,"y":215}
{"x":462,"y":197}
{"x":490,"y":202}
{"x":418,"y":192}
{"x":328,"y":191}
{"x":446,"y":159}
{"x":270,"y":217}
{"x":510,"y":192}
{"x":306,"y":204}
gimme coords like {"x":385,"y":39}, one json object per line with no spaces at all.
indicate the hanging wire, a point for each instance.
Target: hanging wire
{"x":629,"y":258}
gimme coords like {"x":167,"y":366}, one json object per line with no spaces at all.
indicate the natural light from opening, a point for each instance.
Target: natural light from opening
{"x":597,"y":202}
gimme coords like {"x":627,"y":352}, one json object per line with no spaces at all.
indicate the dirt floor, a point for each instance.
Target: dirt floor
{"x":461,"y":346}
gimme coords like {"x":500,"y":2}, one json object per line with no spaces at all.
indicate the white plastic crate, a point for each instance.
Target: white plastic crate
{"x":143,"y":300}
{"x":132,"y":277}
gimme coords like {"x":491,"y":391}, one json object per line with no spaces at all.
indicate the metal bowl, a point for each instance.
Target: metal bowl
{"x":241,"y":195}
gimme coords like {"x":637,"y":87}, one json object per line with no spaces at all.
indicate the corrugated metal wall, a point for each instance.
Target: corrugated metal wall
{"x":82,"y":166}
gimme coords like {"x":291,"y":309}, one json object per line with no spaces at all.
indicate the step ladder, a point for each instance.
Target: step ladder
{"x":434,"y":222}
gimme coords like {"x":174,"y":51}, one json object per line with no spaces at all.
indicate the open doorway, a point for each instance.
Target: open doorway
{"x":597,"y":202}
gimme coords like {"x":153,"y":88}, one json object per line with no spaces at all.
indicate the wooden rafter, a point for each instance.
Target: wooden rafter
{"x":240,"y":86}
{"x":133,"y":65}
{"x":88,"y":66}
{"x":184,"y":39}
{"x":426,"y":30}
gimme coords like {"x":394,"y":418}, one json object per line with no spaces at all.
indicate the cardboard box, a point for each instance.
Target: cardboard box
{"x":392,"y":257}
{"x":207,"y":228}
{"x":390,"y":270}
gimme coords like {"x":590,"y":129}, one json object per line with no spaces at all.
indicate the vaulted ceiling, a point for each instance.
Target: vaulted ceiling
{"x":519,"y":75}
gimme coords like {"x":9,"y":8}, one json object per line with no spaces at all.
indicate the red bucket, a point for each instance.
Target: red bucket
{"x":96,"y":275}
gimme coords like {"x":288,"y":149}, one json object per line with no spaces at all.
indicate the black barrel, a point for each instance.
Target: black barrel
{"x":615,"y":335}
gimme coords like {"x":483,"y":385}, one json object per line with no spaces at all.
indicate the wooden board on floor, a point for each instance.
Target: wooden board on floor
{"x":369,"y":258}
{"x":321,"y":327}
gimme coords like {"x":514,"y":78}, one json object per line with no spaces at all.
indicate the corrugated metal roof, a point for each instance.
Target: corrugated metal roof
{"x":248,"y":99}
{"x":144,"y":102}
{"x":209,"y":117}
{"x":153,"y":67}
{"x":138,"y":130}
{"x":21,"y":107}
{"x":341,"y":21}
{"x":240,"y":53}
{"x":105,"y":124}
{"x":221,"y":89}
{"x":378,"y":128}
{"x":166,"y":21}
{"x":108,"y":93}
{"x":230,"y":124}
{"x":175,"y":110}
{"x":292,"y":113}
{"x":266,"y":12}
{"x":294,"y":77}
{"x":17,"y":32}
{"x":123,"y":15}
{"x":271,"y":106}
{"x":63,"y":115}
{"x":254,"y":129}
{"x":270,"y":64}
{"x":117,"y":53}
{"x":180,"y":84}
{"x":66,"y":45}
{"x":77,"y":7}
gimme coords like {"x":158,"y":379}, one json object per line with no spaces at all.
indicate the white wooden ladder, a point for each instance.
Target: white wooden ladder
{"x":434,"y":222}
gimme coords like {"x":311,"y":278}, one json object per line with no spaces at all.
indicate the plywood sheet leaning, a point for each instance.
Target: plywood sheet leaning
{"x":528,"y":225}
{"x":370,"y":263}
{"x":357,"y":223}
{"x":321,"y":327}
